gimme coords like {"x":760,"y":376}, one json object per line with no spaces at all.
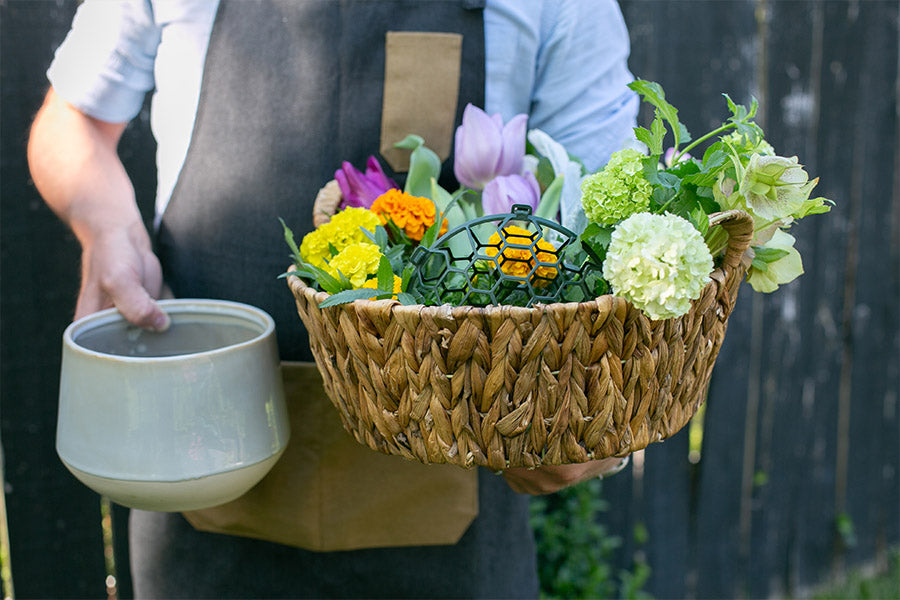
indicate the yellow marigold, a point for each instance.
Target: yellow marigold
{"x":345,"y":228}
{"x":413,"y":214}
{"x":519,"y":261}
{"x":373,"y":284}
{"x":357,"y":262}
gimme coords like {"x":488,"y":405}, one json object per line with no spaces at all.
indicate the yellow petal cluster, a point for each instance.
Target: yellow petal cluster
{"x":344,"y":229}
{"x":357,"y":262}
{"x":523,"y":250}
{"x":373,"y":284}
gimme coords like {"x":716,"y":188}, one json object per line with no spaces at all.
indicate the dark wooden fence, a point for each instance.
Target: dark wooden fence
{"x":797,"y":478}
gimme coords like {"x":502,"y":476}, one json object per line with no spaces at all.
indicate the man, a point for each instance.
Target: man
{"x":255,"y":105}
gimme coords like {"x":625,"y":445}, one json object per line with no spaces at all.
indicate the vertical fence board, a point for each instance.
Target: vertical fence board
{"x":872,"y":331}
{"x":53,"y":520}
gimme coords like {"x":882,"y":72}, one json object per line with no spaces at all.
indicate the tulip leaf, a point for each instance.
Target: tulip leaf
{"x":548,"y":207}
{"x":424,"y":165}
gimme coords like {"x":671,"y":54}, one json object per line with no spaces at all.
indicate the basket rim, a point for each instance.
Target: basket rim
{"x":740,"y":220}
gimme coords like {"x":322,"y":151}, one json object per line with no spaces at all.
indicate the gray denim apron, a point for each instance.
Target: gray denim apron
{"x":291,"y":89}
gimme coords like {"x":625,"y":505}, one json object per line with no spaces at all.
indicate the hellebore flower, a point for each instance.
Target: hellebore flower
{"x":775,"y":187}
{"x":502,"y":192}
{"x":783,"y":269}
{"x":486,"y":148}
{"x":361,"y":189}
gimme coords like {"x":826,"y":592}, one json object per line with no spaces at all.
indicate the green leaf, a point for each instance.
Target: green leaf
{"x":424,"y":165}
{"x":768,"y":255}
{"x":653,"y":93}
{"x":326,"y":281}
{"x":348,"y":296}
{"x":595,"y":240}
{"x":814,"y":206}
{"x":407,"y":299}
{"x":548,"y":207}
{"x":385,"y":274}
{"x":289,"y":238}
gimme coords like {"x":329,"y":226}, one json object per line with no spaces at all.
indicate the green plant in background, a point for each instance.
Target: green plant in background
{"x":575,"y":551}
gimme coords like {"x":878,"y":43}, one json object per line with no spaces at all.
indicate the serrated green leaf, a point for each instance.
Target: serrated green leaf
{"x":292,"y":244}
{"x":595,"y":240}
{"x":348,"y":296}
{"x":326,"y":281}
{"x":653,"y":93}
{"x":385,"y":274}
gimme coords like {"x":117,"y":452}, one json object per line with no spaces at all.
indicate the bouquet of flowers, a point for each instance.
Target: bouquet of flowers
{"x":638,"y":228}
{"x":542,"y":314}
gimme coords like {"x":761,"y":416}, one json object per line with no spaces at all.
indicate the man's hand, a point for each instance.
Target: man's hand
{"x":552,"y":478}
{"x":119,"y":269}
{"x":75,"y":167}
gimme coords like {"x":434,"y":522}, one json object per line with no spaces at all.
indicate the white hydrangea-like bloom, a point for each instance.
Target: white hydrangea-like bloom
{"x":659,"y":263}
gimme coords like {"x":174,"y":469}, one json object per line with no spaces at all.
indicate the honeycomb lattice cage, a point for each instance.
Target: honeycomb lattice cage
{"x":515,"y":258}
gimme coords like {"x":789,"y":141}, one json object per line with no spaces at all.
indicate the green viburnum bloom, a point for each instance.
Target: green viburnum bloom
{"x":618,"y":191}
{"x":783,"y":269}
{"x":659,"y":263}
{"x":774,"y":187}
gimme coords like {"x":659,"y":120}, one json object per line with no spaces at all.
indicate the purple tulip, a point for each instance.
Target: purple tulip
{"x":502,"y":192}
{"x":486,"y":148}
{"x":360,"y":190}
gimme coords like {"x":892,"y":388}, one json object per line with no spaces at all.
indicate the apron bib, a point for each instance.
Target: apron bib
{"x":282,"y":104}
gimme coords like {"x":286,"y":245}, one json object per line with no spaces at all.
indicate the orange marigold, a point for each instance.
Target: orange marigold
{"x":413,"y":214}
{"x":518,"y":257}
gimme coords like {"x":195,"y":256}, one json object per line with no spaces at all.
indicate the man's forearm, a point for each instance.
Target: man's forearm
{"x":75,"y":167}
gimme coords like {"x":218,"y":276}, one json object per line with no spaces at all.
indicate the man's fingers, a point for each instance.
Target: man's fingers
{"x":139,"y":308}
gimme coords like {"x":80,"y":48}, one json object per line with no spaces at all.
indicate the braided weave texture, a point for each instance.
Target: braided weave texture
{"x":503,"y":386}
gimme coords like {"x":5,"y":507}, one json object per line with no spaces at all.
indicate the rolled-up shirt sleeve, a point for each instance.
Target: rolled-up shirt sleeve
{"x":104,"y":67}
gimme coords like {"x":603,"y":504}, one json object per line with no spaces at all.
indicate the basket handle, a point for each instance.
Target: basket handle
{"x":739,"y":227}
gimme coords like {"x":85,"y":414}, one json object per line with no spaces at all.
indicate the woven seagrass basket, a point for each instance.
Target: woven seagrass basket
{"x":502,"y":386}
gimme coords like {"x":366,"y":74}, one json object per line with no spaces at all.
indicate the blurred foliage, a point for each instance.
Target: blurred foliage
{"x":576,"y":554}
{"x":883,"y":585}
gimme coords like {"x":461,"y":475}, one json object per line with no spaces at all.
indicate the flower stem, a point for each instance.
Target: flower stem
{"x":696,"y":142}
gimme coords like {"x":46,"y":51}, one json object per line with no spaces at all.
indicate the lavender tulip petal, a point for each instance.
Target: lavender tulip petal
{"x":478,"y":148}
{"x":513,"y":152}
{"x":502,"y":192}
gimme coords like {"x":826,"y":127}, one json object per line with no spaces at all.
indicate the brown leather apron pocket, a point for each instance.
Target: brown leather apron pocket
{"x":421,"y":85}
{"x":327,"y":492}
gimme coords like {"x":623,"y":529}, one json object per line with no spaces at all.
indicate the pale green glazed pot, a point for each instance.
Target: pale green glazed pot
{"x":185,"y":419}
